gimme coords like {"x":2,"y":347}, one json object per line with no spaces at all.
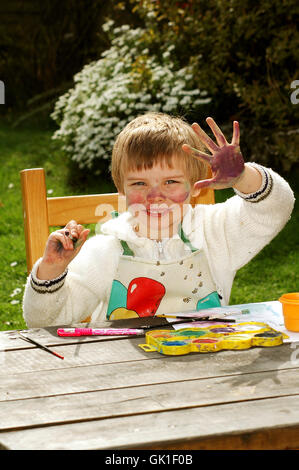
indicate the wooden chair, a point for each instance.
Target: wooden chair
{"x":41,"y":212}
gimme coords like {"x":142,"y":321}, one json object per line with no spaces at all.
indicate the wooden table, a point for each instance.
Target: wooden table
{"x":110,"y":394}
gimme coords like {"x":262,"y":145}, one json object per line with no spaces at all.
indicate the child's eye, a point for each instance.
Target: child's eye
{"x":171,"y":181}
{"x":138,"y":183}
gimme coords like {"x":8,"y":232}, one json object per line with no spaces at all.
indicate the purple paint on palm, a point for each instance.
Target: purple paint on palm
{"x":227,"y":164}
{"x":226,"y":160}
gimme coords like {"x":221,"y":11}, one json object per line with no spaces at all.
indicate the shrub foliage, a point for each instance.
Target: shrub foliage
{"x":226,"y":58}
{"x":245,"y":54}
{"x":129,"y":79}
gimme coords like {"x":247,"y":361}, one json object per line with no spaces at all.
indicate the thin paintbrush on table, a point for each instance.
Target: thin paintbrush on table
{"x":39,"y":345}
{"x":203,"y":319}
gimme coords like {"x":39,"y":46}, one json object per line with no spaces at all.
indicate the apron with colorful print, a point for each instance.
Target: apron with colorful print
{"x":144,"y":288}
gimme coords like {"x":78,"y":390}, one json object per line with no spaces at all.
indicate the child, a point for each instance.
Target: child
{"x":161,"y":255}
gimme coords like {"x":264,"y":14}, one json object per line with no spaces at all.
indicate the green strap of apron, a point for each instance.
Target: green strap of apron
{"x":126,"y":249}
{"x":185,"y":239}
{"x":128,"y":252}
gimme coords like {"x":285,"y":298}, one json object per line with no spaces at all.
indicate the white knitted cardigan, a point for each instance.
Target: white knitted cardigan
{"x":230,"y":233}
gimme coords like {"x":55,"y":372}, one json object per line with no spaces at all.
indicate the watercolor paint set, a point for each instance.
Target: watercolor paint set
{"x":212,"y":338}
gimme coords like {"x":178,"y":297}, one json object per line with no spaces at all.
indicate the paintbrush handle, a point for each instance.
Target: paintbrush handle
{"x":199,"y":319}
{"x":42,"y":346}
{"x":151,"y":327}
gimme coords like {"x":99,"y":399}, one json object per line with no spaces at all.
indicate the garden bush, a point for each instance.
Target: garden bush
{"x":242,"y":52}
{"x":245,"y":55}
{"x":136,"y":74}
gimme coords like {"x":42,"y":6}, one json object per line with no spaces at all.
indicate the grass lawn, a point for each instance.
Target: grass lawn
{"x":274,"y":271}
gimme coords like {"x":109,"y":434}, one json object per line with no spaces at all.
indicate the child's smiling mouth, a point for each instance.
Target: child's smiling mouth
{"x":154,"y":210}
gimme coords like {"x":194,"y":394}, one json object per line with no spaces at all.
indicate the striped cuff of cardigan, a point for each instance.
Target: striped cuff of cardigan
{"x":49,"y":286}
{"x":265,"y":188}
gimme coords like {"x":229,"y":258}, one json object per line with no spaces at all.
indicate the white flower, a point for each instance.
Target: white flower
{"x":108,"y":25}
{"x":14,"y":263}
{"x":186,"y":100}
{"x":166,"y":55}
{"x":151,"y":14}
{"x":16,"y":292}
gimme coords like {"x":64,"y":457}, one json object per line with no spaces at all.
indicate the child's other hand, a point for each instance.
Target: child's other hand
{"x":61,"y":249}
{"x":226,"y":161}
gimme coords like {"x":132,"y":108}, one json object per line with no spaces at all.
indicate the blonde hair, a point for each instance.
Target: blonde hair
{"x":155,"y":138}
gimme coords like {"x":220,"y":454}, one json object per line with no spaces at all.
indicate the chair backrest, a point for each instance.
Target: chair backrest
{"x":41,"y":212}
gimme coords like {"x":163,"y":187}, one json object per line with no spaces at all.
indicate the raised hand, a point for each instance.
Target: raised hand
{"x":62,"y":246}
{"x":226,"y":160}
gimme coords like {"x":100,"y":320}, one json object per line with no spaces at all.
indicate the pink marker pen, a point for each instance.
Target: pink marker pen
{"x":99,"y":331}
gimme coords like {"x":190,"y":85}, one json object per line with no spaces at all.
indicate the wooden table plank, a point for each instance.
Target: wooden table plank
{"x":169,"y":429}
{"x":124,"y":350}
{"x":151,"y":398}
{"x":163,"y":369}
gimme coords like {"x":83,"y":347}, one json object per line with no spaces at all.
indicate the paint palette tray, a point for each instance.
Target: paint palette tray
{"x":213,"y":338}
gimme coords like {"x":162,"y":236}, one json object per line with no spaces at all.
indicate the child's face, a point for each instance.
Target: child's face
{"x":157,"y":197}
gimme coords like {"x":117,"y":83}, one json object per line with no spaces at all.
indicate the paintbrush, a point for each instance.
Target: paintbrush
{"x":36,"y":343}
{"x":199,"y":319}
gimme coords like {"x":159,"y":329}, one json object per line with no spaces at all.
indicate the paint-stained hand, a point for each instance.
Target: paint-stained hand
{"x":226,"y":161}
{"x":62,"y":246}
